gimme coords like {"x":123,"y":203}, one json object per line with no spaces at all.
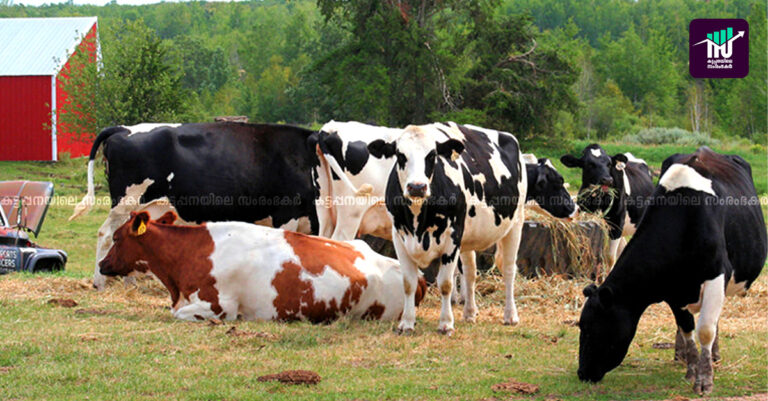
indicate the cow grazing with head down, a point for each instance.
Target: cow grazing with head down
{"x":213,"y":171}
{"x":703,"y":236}
{"x":617,"y":186}
{"x":231,"y":269}
{"x":454,"y":190}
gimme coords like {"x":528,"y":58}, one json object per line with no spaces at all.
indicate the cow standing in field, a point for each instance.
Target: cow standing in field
{"x":453,"y":190}
{"x":351,"y":184}
{"x":212,"y":172}
{"x":702,"y":237}
{"x":617,"y":186}
{"x":231,"y":269}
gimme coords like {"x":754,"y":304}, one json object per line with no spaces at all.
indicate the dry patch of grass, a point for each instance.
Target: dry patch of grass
{"x":124,"y":343}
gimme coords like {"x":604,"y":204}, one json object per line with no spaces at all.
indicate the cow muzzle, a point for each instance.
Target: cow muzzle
{"x":106,"y":268}
{"x":416,"y":190}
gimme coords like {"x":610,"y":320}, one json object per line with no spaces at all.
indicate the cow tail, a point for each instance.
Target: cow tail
{"x":364,"y":190}
{"x":89,"y":199}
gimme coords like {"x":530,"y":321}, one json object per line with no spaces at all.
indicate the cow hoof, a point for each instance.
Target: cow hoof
{"x":690,"y":375}
{"x":511,"y":322}
{"x":470,"y":315}
{"x":702,"y":387}
{"x":447,"y":331}
{"x":405,"y":332}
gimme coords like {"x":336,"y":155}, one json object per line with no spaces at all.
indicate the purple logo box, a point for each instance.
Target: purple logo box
{"x":718,"y":48}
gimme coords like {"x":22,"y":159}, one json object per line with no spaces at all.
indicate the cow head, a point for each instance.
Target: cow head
{"x":416,"y":151}
{"x":127,"y":254}
{"x":607,"y":329}
{"x":599,"y":172}
{"x":547,"y":188}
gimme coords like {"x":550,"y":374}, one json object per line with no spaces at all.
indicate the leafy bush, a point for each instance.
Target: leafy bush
{"x":677,"y":136}
{"x":463,"y":116}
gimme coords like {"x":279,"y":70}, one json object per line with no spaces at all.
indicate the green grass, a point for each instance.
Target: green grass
{"x":137,"y":351}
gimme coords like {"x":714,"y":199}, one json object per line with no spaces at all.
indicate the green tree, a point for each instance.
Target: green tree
{"x":204,"y":69}
{"x":520,"y":83}
{"x":138,"y":82}
{"x":389,"y":39}
{"x":747,"y":101}
{"x":643,"y":69}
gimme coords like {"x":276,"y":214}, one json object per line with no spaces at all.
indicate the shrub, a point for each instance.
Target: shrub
{"x":677,"y":136}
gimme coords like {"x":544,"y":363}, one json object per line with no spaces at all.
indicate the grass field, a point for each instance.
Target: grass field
{"x":123,"y":343}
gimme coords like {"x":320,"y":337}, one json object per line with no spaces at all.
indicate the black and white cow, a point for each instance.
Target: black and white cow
{"x":213,"y":172}
{"x":352,"y":184}
{"x":547,"y":188}
{"x":617,"y":186}
{"x":702,"y":237}
{"x":454,"y":190}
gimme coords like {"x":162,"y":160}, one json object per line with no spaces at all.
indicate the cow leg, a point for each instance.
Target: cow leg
{"x":716,"y":346}
{"x":685,"y":345}
{"x":620,"y":248}
{"x":445,"y":283}
{"x":229,"y":308}
{"x":509,"y":246}
{"x":613,"y":252}
{"x":458,"y":296}
{"x":410,"y":283}
{"x":324,"y":216}
{"x":347,"y":221}
{"x":713,"y":297}
{"x":195,"y":311}
{"x":469,"y":263}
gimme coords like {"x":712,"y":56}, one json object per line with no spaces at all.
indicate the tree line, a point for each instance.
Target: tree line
{"x":546,"y":70}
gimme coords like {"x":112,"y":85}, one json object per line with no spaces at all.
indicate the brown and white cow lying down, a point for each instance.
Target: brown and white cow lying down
{"x":118,"y":215}
{"x":226,"y":270}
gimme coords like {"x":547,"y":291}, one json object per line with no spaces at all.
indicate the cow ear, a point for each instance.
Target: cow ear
{"x":379,"y":149}
{"x":571,"y":161}
{"x":605,"y":294}
{"x":590,"y":290}
{"x":312,"y":142}
{"x":139,"y":225}
{"x":447,"y":148}
{"x":168,"y":218}
{"x":619,"y":161}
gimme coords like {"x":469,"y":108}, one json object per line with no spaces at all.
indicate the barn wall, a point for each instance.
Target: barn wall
{"x":25,"y":107}
{"x":68,"y":141}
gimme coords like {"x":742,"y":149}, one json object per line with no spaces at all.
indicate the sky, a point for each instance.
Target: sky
{"x":95,"y":2}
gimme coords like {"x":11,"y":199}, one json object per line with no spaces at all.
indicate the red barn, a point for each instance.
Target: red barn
{"x":33,"y":54}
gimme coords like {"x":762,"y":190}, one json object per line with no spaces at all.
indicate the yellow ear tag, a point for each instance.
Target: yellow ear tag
{"x":142,"y":229}
{"x":454,"y":155}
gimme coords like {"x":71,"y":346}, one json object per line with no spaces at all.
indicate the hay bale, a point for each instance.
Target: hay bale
{"x":549,"y":246}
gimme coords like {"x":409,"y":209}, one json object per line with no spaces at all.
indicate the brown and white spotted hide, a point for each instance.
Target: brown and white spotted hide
{"x":226,"y":270}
